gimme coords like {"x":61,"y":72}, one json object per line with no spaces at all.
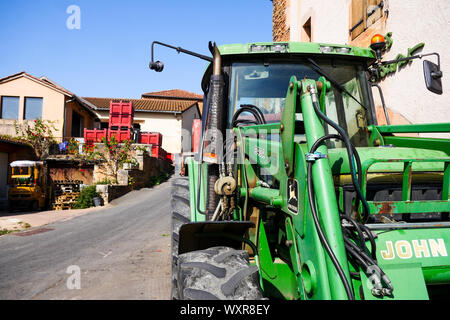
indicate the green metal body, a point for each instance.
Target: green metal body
{"x":292,"y":261}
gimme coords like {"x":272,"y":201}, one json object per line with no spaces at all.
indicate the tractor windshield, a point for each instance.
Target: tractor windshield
{"x":265,"y":86}
{"x":21,"y":176}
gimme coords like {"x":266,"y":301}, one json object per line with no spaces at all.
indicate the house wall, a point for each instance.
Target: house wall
{"x":52,"y":103}
{"x":411,"y":22}
{"x":167,"y":124}
{"x":88,"y":120}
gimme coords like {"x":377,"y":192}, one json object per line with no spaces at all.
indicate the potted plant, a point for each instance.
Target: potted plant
{"x":130,"y":164}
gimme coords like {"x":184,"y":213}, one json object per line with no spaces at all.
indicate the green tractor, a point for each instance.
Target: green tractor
{"x":297,"y":193}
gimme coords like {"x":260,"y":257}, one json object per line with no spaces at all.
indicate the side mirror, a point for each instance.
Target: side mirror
{"x":432,"y":76}
{"x":158,"y":66}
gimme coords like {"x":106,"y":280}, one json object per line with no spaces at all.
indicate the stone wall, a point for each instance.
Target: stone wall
{"x":129,"y":179}
{"x":110,"y":192}
{"x":281,"y":27}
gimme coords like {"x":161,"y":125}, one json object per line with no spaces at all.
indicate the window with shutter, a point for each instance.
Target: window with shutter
{"x":364,"y":14}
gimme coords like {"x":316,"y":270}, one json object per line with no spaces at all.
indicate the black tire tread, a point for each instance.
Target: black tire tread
{"x":181,"y":214}
{"x":199,"y":276}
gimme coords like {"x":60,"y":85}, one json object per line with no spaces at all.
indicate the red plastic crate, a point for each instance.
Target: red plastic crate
{"x":158,"y":152}
{"x":154,"y":138}
{"x":155,"y":151}
{"x":163,"y":154}
{"x":170,"y":157}
{"x":95,"y":135}
{"x":120,"y":120}
{"x":120,"y":107}
{"x":120,"y":135}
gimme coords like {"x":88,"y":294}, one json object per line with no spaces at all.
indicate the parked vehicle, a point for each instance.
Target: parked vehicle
{"x":297,"y":193}
{"x":29,"y":185}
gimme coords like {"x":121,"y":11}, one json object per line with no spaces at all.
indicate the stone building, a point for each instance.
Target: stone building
{"x":414,"y":26}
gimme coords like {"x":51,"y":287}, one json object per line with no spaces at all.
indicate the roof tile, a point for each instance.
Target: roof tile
{"x":155,"y":105}
{"x":174,"y":93}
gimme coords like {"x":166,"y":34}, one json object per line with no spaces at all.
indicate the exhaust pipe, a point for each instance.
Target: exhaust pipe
{"x":214,"y":147}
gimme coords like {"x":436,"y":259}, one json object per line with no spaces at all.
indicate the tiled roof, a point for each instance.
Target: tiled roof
{"x":42,"y":80}
{"x":151,"y":105}
{"x":174,"y":94}
{"x":13,"y":140}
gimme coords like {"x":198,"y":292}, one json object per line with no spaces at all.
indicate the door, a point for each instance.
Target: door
{"x":3,"y":175}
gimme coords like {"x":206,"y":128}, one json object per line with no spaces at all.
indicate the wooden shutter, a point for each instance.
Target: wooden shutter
{"x":358,"y":17}
{"x":374,"y":10}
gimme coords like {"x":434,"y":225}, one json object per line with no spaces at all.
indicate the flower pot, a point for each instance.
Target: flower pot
{"x":97,"y":201}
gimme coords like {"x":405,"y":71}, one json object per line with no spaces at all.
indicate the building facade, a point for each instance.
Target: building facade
{"x":413,"y":26}
{"x":24,"y":98}
{"x":170,"y":113}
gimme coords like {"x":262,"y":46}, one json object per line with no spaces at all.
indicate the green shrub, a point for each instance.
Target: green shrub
{"x":154,"y":181}
{"x":85,"y":199}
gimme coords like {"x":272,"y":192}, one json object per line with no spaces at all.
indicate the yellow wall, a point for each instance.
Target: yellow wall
{"x":52,"y":103}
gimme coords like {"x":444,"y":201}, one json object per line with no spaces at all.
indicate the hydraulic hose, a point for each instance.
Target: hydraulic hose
{"x":320,"y":232}
{"x":348,"y":146}
{"x":353,"y":222}
{"x":251,"y":109}
{"x":368,"y":263}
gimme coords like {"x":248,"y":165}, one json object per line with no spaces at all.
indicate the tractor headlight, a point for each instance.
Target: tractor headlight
{"x":279,"y":48}
{"x":258,"y":48}
{"x":326,"y":49}
{"x":343,"y":50}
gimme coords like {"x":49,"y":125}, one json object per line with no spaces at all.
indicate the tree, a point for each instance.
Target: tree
{"x":39,"y":135}
{"x":113,"y":155}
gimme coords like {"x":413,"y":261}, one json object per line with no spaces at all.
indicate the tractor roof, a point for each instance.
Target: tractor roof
{"x":295,"y":47}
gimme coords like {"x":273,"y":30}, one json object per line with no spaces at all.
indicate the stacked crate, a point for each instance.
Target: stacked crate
{"x":121,"y":116}
{"x":95,"y":135}
{"x":155,"y":139}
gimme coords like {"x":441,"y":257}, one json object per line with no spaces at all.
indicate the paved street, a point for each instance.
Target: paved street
{"x":121,"y":251}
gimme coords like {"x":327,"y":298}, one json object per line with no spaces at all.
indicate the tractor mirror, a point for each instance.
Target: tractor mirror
{"x":158,"y":66}
{"x":432,"y":76}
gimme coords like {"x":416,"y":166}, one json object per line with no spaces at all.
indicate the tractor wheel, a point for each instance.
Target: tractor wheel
{"x":181,"y":214}
{"x":217,"y":273}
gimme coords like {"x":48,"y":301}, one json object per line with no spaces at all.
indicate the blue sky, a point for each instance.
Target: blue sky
{"x":109,"y":55}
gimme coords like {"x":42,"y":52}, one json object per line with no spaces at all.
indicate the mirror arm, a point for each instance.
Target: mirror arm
{"x":179,"y":49}
{"x":438,"y":74}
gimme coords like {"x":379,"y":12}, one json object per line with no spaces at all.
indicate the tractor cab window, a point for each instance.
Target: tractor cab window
{"x":265,"y":85}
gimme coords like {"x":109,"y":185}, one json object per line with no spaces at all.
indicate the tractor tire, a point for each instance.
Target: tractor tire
{"x":181,"y":214}
{"x":217,"y":273}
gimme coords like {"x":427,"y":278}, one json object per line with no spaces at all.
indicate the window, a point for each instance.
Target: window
{"x":364,"y":14}
{"x":77,"y":124}
{"x":306,"y":32}
{"x":10,"y":107}
{"x":263,"y":84}
{"x":33,"y":108}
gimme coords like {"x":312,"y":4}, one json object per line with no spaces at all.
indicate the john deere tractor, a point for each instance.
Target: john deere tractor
{"x":296,"y":191}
